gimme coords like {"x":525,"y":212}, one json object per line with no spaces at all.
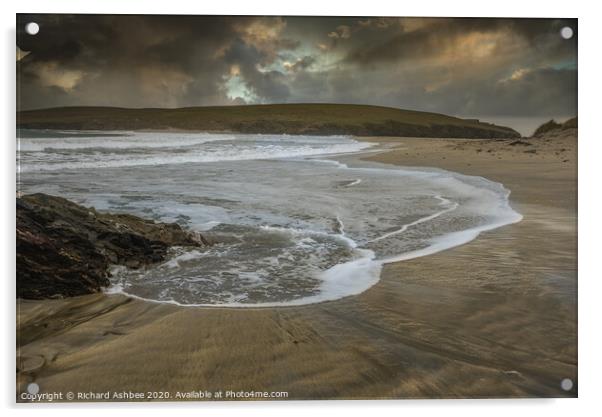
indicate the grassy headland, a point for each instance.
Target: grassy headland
{"x":312,"y":119}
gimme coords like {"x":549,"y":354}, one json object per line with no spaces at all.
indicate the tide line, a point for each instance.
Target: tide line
{"x":405,"y":227}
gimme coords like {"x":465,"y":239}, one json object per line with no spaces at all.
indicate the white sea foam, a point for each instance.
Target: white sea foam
{"x":152,"y":148}
{"x":116,"y":289}
{"x":354,"y":182}
{"x":176,"y":261}
{"x":403,"y":228}
{"x":358,"y":275}
{"x":297,"y":229}
{"x":125,"y":140}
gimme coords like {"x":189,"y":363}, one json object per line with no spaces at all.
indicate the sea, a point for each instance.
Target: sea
{"x":295,"y":220}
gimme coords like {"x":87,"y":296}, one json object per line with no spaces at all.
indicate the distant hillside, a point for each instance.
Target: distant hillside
{"x":552,"y":126}
{"x":312,"y":119}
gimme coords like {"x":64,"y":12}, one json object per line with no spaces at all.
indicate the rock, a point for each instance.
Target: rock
{"x":64,"y":249}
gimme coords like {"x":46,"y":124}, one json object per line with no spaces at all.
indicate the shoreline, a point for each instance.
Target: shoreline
{"x":430,"y":328}
{"x":351,"y":161}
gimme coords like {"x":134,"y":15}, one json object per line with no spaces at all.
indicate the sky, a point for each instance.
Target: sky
{"x":508,"y":71}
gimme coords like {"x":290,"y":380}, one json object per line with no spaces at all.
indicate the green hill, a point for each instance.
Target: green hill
{"x":312,"y":119}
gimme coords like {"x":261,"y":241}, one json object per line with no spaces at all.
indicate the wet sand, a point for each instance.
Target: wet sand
{"x":493,"y":318}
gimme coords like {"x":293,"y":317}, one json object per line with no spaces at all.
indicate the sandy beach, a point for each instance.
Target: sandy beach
{"x":496,"y":317}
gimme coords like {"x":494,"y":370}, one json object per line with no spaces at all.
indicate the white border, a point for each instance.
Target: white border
{"x":590,"y":202}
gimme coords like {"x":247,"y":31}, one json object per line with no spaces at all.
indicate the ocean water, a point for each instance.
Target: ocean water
{"x":296,"y":219}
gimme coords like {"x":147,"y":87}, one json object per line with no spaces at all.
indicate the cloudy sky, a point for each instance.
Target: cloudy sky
{"x":494,"y":69}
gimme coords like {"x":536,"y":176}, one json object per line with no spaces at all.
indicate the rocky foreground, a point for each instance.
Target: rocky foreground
{"x":65,"y":250}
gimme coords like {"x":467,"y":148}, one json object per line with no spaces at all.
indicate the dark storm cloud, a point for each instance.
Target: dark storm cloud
{"x":136,"y":60}
{"x":546,"y":92}
{"x":119,"y":60}
{"x":439,"y":34}
{"x":456,"y":66}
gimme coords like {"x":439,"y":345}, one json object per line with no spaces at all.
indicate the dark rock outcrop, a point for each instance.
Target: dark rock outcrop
{"x":64,"y":249}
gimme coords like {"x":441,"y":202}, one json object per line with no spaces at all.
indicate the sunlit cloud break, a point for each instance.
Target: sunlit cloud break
{"x":466,"y":67}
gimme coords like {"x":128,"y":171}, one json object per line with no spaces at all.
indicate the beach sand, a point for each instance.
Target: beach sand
{"x":496,"y":317}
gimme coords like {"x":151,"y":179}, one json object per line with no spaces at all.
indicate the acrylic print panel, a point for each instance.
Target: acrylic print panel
{"x":285,"y":208}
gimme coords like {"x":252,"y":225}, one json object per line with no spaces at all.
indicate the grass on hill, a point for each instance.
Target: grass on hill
{"x":553,"y":125}
{"x":360,"y":120}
